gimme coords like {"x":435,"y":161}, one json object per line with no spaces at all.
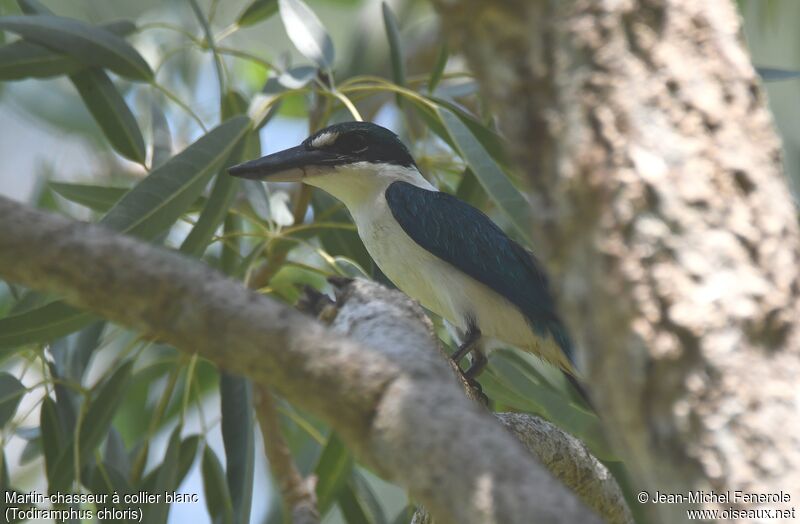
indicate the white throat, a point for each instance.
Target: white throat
{"x":358,"y":184}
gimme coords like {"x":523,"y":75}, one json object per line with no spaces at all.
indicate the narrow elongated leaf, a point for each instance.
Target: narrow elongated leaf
{"x":160,"y":199}
{"x":23,"y":59}
{"x":405,"y":515}
{"x":88,"y":44}
{"x":96,"y":198}
{"x":236,"y":398}
{"x":218,"y":498}
{"x":490,"y":140}
{"x":33,"y":7}
{"x":95,"y":426}
{"x":332,"y":471}
{"x":513,"y":380}
{"x":438,"y":68}
{"x":257,"y":11}
{"x":395,"y":48}
{"x":105,"y":400}
{"x":72,"y":362}
{"x":359,"y":503}
{"x":51,"y":436}
{"x":307,"y":32}
{"x":11,"y":392}
{"x":165,"y":480}
{"x":491,"y":177}
{"x":297,"y":77}
{"x":470,"y":190}
{"x":186,"y":456}
{"x":41,"y":324}
{"x":772,"y":74}
{"x":31,"y":451}
{"x":110,"y":112}
{"x":162,"y":138}
{"x":145,"y":211}
{"x":115,"y":453}
{"x":103,"y":198}
{"x":225,"y":187}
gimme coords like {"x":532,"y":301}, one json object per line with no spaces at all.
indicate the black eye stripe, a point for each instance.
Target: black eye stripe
{"x":361,"y":142}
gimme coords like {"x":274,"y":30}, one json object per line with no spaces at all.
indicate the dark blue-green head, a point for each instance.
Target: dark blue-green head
{"x":336,"y":146}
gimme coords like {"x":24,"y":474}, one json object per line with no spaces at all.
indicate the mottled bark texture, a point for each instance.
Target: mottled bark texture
{"x":376,"y":376}
{"x":664,"y":217}
{"x":569,"y":460}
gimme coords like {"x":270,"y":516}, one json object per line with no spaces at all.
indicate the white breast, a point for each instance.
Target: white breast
{"x":436,"y":284}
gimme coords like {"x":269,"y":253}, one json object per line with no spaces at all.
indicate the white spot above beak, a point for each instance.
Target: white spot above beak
{"x":324,"y":139}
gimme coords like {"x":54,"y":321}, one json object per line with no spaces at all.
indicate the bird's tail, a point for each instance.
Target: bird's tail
{"x":567,"y":364}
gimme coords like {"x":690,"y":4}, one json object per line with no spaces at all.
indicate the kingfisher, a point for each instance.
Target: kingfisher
{"x":437,"y":249}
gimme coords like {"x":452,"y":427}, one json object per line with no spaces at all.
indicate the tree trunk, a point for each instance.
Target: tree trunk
{"x":664,"y":217}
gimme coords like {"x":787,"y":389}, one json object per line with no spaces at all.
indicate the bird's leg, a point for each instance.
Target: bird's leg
{"x":479,"y":362}
{"x":469,"y":346}
{"x":472,"y":338}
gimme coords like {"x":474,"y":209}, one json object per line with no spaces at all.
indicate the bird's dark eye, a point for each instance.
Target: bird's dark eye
{"x":352,"y":143}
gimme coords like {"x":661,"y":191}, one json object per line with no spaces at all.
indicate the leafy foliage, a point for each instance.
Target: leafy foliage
{"x":108,"y":409}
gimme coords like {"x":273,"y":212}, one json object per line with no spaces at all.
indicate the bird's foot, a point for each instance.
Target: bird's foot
{"x":477,"y":390}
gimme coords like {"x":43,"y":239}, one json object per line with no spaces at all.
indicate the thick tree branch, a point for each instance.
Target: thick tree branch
{"x":664,"y":216}
{"x":393,"y":401}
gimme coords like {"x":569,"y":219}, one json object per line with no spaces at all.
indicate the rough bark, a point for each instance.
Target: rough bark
{"x":569,"y":460}
{"x":384,"y":388}
{"x":663,"y":214}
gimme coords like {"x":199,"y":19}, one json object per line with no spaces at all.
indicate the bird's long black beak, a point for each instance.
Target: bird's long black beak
{"x":289,"y":165}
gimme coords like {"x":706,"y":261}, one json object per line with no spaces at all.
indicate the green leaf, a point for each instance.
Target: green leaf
{"x":236,"y":399}
{"x":257,"y":11}
{"x":41,"y":324}
{"x":470,"y":190}
{"x":395,"y":49}
{"x":33,"y":7}
{"x":11,"y":392}
{"x":96,"y":198}
{"x":332,"y":471}
{"x":51,"y":431}
{"x":146,"y":210}
{"x":307,"y":32}
{"x":162,"y":138}
{"x":224,"y":191}
{"x":165,"y":480}
{"x":359,"y":503}
{"x":438,"y":68}
{"x":71,"y":361}
{"x":94,"y":427}
{"x":512,"y":379}
{"x":218,"y":498}
{"x":23,"y":59}
{"x":489,"y":139}
{"x":88,"y":44}
{"x":159,"y":200}
{"x":105,"y":400}
{"x":771,"y":74}
{"x":115,"y":453}
{"x":405,"y":515}
{"x":186,"y":458}
{"x":110,"y":112}
{"x":491,"y":177}
{"x":220,"y":199}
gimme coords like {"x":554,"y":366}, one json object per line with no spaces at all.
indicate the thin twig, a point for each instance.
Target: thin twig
{"x":298,"y":493}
